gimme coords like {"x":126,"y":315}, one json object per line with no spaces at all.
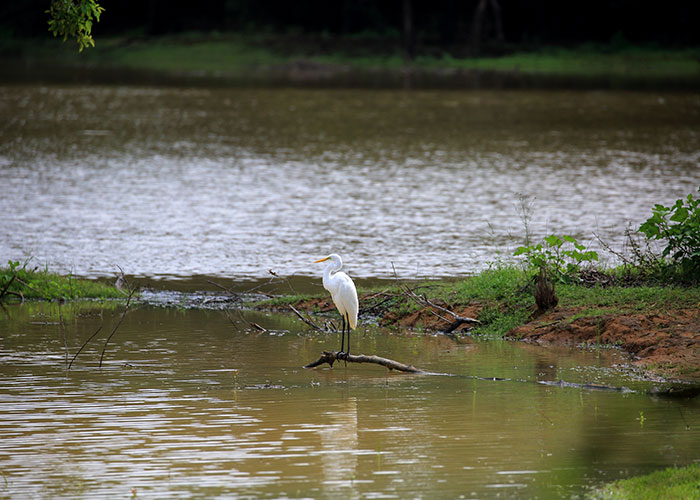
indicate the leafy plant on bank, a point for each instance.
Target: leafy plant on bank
{"x":21,"y":281}
{"x":679,"y":226}
{"x":558,"y":256}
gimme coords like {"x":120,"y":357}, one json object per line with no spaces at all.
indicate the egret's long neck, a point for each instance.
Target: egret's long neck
{"x":332,"y":267}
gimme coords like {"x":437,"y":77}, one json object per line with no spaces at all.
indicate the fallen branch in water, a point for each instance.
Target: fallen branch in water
{"x":331,"y":357}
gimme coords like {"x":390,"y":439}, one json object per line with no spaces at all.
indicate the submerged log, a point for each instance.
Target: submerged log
{"x":331,"y":357}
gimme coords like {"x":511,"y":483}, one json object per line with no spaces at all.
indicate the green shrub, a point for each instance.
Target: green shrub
{"x":679,"y":225}
{"x":559,"y":257}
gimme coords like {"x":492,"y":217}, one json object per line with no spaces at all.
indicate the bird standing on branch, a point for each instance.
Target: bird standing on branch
{"x":343,"y":293}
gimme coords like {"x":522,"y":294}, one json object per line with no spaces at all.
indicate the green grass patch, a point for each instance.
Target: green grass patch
{"x":503,"y":293}
{"x":18,"y":281}
{"x":500,"y":284}
{"x":587,"y":61}
{"x":668,"y":484}
{"x":593,"y":313}
{"x":635,"y":298}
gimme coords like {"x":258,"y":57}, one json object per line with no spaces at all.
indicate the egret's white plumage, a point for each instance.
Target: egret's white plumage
{"x":343,"y":293}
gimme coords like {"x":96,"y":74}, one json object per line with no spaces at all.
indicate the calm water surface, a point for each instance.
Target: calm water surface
{"x":173,"y":182}
{"x":192,"y":405}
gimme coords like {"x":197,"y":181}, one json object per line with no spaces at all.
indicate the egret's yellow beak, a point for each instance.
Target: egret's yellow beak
{"x":321,"y":260}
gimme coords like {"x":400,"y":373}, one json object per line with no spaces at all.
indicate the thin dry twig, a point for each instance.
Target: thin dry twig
{"x":307,"y":320}
{"x":254,"y":325}
{"x":289,"y":284}
{"x":63,"y":332}
{"x":28,"y":286}
{"x":132,"y":291}
{"x":83,"y":346}
{"x":256,"y":288}
{"x":422,"y":300}
{"x":608,"y":248}
{"x":9,"y":283}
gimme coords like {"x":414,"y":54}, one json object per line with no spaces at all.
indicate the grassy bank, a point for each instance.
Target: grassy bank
{"x":656,"y":325}
{"x":217,"y":55}
{"x":503,"y":299}
{"x":21,"y":281}
{"x":672,"y":483}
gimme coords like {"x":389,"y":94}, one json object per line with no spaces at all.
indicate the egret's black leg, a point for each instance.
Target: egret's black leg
{"x":342,"y":336}
{"x":348,"y":322}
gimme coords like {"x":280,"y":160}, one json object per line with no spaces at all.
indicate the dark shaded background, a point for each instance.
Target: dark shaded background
{"x":435,"y":23}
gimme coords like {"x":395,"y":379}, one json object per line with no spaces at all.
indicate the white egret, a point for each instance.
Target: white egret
{"x":343,"y":293}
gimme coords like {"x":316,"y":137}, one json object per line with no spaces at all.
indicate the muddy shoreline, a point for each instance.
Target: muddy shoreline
{"x":662,"y":343}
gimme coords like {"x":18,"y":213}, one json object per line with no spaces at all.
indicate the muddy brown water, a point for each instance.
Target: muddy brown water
{"x":193,"y":185}
{"x":171,"y":182}
{"x":192,"y":404}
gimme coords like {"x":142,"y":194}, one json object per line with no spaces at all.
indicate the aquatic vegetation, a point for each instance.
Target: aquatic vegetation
{"x":21,"y":281}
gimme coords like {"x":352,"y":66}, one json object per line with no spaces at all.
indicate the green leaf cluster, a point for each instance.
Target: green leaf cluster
{"x":559,"y":256}
{"x":74,"y":18}
{"x":679,"y":226}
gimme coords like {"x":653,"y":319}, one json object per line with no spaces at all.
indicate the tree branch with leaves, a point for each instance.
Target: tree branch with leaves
{"x":74,"y":19}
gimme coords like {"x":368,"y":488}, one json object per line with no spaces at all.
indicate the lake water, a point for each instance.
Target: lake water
{"x":191,"y":185}
{"x":192,"y":404}
{"x":230,"y":183}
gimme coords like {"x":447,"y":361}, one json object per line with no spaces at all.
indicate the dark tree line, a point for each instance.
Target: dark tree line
{"x":437,"y":23}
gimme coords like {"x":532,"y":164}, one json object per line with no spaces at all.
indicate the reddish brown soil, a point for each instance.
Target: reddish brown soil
{"x":667,"y":342}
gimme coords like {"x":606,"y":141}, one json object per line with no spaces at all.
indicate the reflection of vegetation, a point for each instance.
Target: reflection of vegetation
{"x":18,"y":280}
{"x":74,"y":318}
{"x":668,"y":483}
